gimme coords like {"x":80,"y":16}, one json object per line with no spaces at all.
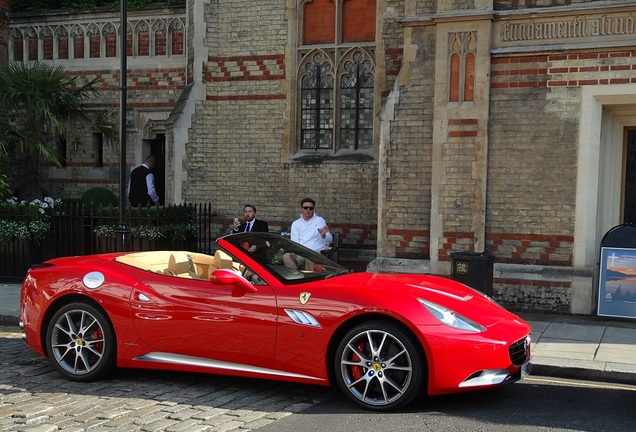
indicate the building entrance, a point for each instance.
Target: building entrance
{"x":629,"y":188}
{"x":158,"y":149}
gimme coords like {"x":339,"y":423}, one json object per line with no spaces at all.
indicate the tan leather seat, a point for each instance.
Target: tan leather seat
{"x":222,"y":260}
{"x":204,"y":265}
{"x":179,"y":265}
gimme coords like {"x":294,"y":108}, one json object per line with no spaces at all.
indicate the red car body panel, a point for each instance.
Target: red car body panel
{"x":232,"y":331}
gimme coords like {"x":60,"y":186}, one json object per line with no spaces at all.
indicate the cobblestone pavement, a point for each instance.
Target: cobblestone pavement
{"x":34,"y":397}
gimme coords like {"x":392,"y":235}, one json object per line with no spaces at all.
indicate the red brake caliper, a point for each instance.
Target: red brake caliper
{"x":97,"y":334}
{"x":357,"y":371}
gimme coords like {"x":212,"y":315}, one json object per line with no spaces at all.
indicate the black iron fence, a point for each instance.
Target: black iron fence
{"x":76,"y":229}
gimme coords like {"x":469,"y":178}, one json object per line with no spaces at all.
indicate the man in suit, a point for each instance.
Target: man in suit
{"x":251,"y":223}
{"x":141,"y":187}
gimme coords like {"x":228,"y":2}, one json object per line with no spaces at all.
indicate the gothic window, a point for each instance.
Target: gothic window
{"x":46,"y":35}
{"x":61,"y":37}
{"x":94,"y":41}
{"x":356,"y":102}
{"x":18,"y":45}
{"x":32,"y":44}
{"x":462,"y":48}
{"x":336,"y":75}
{"x":98,"y":149}
{"x":316,"y":109}
{"x":159,"y":36}
{"x":61,"y":147}
{"x":110,"y":40}
{"x":176,"y":34}
{"x":77,"y":35}
{"x":143,"y":39}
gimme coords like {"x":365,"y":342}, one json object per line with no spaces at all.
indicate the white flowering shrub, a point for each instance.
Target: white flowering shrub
{"x":175,"y":231}
{"x":25,"y":220}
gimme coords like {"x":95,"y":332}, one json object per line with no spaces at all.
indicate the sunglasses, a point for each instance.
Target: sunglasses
{"x":308,"y":208}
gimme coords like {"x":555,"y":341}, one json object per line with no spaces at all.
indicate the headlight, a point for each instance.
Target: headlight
{"x":451,"y":318}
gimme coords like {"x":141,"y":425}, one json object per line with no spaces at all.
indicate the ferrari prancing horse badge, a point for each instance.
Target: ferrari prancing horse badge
{"x":304,"y":297}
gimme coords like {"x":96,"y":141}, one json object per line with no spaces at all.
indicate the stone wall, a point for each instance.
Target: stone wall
{"x":408,"y":183}
{"x":88,"y":44}
{"x":479,"y":142}
{"x":241,"y":147}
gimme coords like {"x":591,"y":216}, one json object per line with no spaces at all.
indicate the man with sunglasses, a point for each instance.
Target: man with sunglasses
{"x":309,"y":230}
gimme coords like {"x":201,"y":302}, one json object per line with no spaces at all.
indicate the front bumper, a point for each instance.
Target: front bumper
{"x":493,"y":377}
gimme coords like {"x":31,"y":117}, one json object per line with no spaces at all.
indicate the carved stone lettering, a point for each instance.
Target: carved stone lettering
{"x":612,"y":27}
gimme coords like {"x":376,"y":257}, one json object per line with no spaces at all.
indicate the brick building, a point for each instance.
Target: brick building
{"x":421,"y":127}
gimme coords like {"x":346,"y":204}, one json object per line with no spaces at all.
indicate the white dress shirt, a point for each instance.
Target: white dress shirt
{"x":306,"y":233}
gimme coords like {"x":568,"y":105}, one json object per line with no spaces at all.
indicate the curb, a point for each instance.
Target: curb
{"x":8,"y":320}
{"x":615,"y":377}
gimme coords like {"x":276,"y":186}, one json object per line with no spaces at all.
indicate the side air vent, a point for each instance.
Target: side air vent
{"x":301,"y":317}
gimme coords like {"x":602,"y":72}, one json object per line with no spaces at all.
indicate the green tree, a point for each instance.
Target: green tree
{"x":40,"y":102}
{"x":5,"y":189}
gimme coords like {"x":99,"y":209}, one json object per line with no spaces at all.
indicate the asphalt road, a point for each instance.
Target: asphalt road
{"x":33,"y":397}
{"x":535,"y":404}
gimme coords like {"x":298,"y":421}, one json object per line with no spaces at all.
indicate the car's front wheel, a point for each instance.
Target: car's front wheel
{"x":80,"y":342}
{"x":380,"y":366}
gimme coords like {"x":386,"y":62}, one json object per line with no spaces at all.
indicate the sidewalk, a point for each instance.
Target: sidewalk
{"x":565,"y":346}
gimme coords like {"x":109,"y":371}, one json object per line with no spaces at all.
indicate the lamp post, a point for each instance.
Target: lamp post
{"x":122,"y":228}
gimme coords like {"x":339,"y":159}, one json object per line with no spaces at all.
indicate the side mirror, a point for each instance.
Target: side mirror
{"x":228,"y":277}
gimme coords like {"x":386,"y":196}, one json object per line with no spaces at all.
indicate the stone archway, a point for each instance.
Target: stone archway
{"x":151,"y":139}
{"x":605,"y":113}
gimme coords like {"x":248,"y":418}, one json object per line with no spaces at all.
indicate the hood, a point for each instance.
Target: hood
{"x":395,"y":288}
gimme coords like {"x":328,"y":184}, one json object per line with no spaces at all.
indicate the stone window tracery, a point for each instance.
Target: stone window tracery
{"x":46,"y":36}
{"x":147,"y":37}
{"x":61,"y":37}
{"x":110,"y":40}
{"x":462,"y":48}
{"x":32,"y":44}
{"x":336,"y":75}
{"x":176,"y":32}
{"x":18,"y":45}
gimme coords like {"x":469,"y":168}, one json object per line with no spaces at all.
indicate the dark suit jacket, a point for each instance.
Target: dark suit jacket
{"x":257,"y":226}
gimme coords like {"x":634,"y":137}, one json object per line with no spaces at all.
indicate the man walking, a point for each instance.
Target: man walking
{"x":141,"y":187}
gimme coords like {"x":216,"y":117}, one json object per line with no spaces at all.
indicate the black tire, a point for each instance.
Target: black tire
{"x":380,"y":366}
{"x":80,"y":342}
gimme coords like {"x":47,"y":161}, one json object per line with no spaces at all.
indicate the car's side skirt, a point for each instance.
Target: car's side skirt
{"x":222,"y":366}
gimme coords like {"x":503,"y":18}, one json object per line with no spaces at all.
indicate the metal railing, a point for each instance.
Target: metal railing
{"x":76,"y":229}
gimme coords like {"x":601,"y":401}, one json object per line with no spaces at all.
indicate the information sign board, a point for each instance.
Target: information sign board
{"x":617,"y":283}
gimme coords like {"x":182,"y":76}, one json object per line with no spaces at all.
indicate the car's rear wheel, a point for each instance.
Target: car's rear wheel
{"x":80,"y":342}
{"x":380,"y":366}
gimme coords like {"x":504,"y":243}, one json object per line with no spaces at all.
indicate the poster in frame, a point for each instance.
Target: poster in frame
{"x":617,"y":283}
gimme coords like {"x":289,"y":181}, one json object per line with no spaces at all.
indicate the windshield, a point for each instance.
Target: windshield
{"x":288,"y":261}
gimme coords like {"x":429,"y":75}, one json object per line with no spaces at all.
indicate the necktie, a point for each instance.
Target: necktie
{"x":248,"y":227}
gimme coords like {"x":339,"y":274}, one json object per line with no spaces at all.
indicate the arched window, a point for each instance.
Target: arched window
{"x":336,"y":74}
{"x":160,"y":38}
{"x":18,"y":45}
{"x":110,"y":39}
{"x":176,"y":32}
{"x":46,"y":35}
{"x":356,"y":102}
{"x":316,"y":110}
{"x":94,"y":41}
{"x":462,"y":48}
{"x":142,"y":33}
{"x":61,"y":39}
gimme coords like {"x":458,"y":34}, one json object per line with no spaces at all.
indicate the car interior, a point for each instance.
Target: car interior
{"x":190,"y":265}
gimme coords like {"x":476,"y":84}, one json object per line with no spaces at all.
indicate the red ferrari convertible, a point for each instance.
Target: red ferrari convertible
{"x":265,"y":307}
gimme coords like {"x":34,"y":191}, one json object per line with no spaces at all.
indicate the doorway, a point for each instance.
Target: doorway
{"x":157,"y":147}
{"x":629,"y":178}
